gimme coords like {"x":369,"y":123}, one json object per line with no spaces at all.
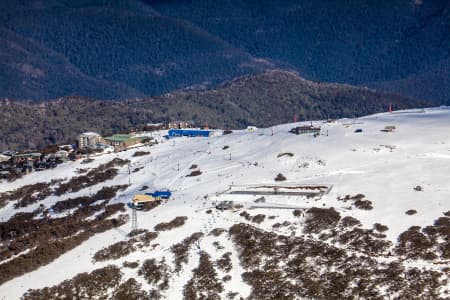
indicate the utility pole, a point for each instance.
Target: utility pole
{"x":129,"y":174}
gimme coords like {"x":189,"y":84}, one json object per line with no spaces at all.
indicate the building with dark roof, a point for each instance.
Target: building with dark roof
{"x":305,"y":129}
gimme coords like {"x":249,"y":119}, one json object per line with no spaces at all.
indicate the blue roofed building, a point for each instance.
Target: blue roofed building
{"x":189,"y":133}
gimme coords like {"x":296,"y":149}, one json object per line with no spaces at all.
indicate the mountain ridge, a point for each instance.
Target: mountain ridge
{"x":147,"y":48}
{"x":264,"y":99}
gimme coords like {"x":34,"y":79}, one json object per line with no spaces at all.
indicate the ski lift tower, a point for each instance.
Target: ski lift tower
{"x":134,"y":225}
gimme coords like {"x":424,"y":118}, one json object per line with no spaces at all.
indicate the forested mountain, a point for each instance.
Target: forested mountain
{"x":265,"y":99}
{"x":126,"y":49}
{"x":107,"y":50}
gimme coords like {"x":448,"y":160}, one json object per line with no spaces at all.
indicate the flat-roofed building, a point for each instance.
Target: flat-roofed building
{"x":89,"y":140}
{"x":123,"y":141}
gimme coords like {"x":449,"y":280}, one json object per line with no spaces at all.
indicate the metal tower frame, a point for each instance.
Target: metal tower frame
{"x":134,"y":224}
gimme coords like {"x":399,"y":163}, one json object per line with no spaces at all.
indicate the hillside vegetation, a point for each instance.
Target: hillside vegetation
{"x":262,"y":100}
{"x":352,"y":220}
{"x":125,"y":49}
{"x":107,"y":50}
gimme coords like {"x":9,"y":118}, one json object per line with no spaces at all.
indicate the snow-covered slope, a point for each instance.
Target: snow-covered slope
{"x":384,"y":166}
